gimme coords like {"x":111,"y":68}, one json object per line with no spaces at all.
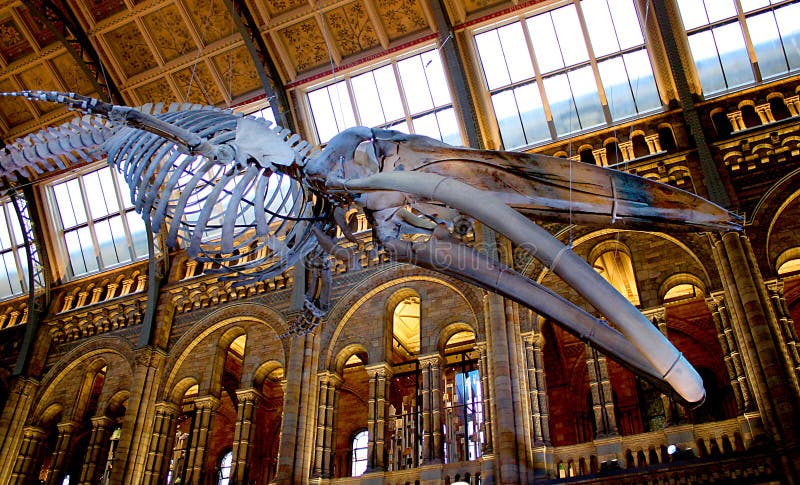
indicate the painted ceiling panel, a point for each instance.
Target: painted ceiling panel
{"x":13,"y":110}
{"x":305,"y":44}
{"x":13,"y":44}
{"x":39,"y":77}
{"x":211,"y":19}
{"x":38,"y":30}
{"x":277,"y":7}
{"x":475,"y":5}
{"x":351,"y":28}
{"x":72,"y":75}
{"x":196,"y":85}
{"x":157,"y":91}
{"x":401,"y":17}
{"x":130,"y":49}
{"x":169,"y":33}
{"x":237,"y":71}
{"x":103,"y":9}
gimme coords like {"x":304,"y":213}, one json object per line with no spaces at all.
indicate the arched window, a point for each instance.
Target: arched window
{"x":405,"y":325}
{"x":359,"y":455}
{"x":614,"y":263}
{"x":224,"y":473}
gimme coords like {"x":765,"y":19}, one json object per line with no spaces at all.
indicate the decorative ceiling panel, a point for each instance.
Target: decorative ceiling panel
{"x":211,"y":19}
{"x":475,"y":5}
{"x":198,"y":82}
{"x":305,"y":44}
{"x":38,"y":30}
{"x":169,"y":33}
{"x":401,"y":17}
{"x":39,"y":77}
{"x":157,"y":91}
{"x":13,"y":44}
{"x":71,"y":73}
{"x":102,"y":9}
{"x":237,"y":71}
{"x":130,"y":49}
{"x":13,"y":110}
{"x":277,"y":7}
{"x":351,"y":28}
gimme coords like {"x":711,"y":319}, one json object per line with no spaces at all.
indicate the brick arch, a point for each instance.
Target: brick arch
{"x":346,"y":353}
{"x":369,"y":287}
{"x":248,"y":316}
{"x":762,"y":218}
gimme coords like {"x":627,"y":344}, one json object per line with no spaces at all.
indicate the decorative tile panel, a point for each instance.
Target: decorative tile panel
{"x":39,"y":77}
{"x":198,"y":82}
{"x":277,"y":7}
{"x":351,"y":28}
{"x":72,"y":75}
{"x":13,"y":45}
{"x":157,"y":91}
{"x":401,"y":17}
{"x":130,"y":49}
{"x":211,"y":19}
{"x":13,"y":110}
{"x":305,"y":44}
{"x":169,"y":33}
{"x":237,"y":71}
{"x":38,"y":30}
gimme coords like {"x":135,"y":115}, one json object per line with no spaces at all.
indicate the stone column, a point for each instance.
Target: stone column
{"x":93,"y":460}
{"x":486,"y":392}
{"x":61,"y":453}
{"x":379,"y":379}
{"x":787,"y":331}
{"x":602,"y":395}
{"x":12,"y":424}
{"x":33,"y":439}
{"x":326,"y":409}
{"x":730,"y":351}
{"x":653,"y":144}
{"x":158,"y":456}
{"x":203,"y":414}
{"x":244,"y":433}
{"x":539,"y":403}
{"x":432,"y":442}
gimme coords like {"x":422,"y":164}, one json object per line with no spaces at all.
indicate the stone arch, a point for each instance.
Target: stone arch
{"x":177,"y":392}
{"x":451,"y":329}
{"x":344,"y":354}
{"x":263,"y":372}
{"x":680,"y":279}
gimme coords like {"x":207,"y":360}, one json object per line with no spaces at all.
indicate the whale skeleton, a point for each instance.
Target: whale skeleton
{"x":256,"y":199}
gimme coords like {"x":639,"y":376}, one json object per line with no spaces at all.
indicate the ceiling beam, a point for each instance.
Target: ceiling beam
{"x":60,"y":20}
{"x":245,"y":22}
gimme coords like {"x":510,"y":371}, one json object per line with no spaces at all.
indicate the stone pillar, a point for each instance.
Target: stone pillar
{"x":539,"y":404}
{"x":730,"y":351}
{"x":432,"y":439}
{"x":486,"y":392}
{"x":756,"y":327}
{"x":602,"y":395}
{"x":158,"y":456}
{"x":764,"y":112}
{"x":244,"y":433}
{"x":379,"y":380}
{"x":737,"y":121}
{"x":326,"y":409}
{"x":792,"y":104}
{"x":94,"y":460}
{"x":12,"y":424}
{"x":61,"y":453}
{"x":653,"y":144}
{"x":787,"y":331}
{"x":203,"y":414}
{"x":33,"y":439}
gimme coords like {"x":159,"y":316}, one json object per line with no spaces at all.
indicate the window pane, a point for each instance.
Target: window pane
{"x":111,"y":240}
{"x":705,"y":58}
{"x":789,"y":28}
{"x":618,"y":92}
{"x":5,"y":237}
{"x":6,"y":275}
{"x":545,"y":43}
{"x":367,"y":100}
{"x":492,"y":59}
{"x":748,"y":5}
{"x":693,"y":13}
{"x":626,"y":23}
{"x":428,"y":126}
{"x":437,"y":82}
{"x":570,"y":35}
{"x":389,"y":93}
{"x":766,"y":42}
{"x":640,"y":73}
{"x":512,"y":39}
{"x":332,"y":110}
{"x":80,"y":251}
{"x":125,"y":191}
{"x":69,"y":202}
{"x":587,"y":100}
{"x":415,"y":85}
{"x":448,"y":126}
{"x":505,"y":108}
{"x":733,"y":55}
{"x":720,"y":9}
{"x":600,"y":27}
{"x":531,"y":110}
{"x":100,"y":193}
{"x":15,"y":286}
{"x":562,"y":107}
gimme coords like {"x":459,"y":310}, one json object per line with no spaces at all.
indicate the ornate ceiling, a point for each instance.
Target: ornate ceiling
{"x":191,"y":50}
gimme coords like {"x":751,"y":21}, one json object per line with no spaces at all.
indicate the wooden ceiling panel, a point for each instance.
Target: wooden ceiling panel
{"x":169,"y":33}
{"x":72,"y":75}
{"x":211,"y":19}
{"x":103,"y":9}
{"x":475,"y":5}
{"x":13,"y":44}
{"x":196,"y":85}
{"x":157,"y":91}
{"x":305,"y":44}
{"x":237,"y":71}
{"x":38,"y":30}
{"x":351,"y":28}
{"x":40,"y":77}
{"x":130,"y":49}
{"x":13,"y":110}
{"x":278,"y":7}
{"x":402,"y":17}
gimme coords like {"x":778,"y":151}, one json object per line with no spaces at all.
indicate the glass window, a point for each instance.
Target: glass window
{"x":224,"y":474}
{"x":568,"y":95}
{"x":409,"y":95}
{"x":13,"y":259}
{"x":719,"y":41}
{"x":96,"y":221}
{"x":359,"y":461}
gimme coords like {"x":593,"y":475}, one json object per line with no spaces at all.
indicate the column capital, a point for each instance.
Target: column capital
{"x":382,"y":369}
{"x":33,"y":432}
{"x":168,"y":407}
{"x":331,"y":378}
{"x":533,"y":338}
{"x":101,"y":421}
{"x":206,"y":402}
{"x":66,"y":427}
{"x":434,"y":359}
{"x":659,"y":313}
{"x":250,"y":394}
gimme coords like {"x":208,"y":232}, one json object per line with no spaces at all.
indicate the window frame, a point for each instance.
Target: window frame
{"x":353,"y":461}
{"x":16,"y":249}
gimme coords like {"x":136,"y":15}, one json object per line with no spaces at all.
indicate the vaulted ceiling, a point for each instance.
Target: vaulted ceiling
{"x":193,"y":50}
